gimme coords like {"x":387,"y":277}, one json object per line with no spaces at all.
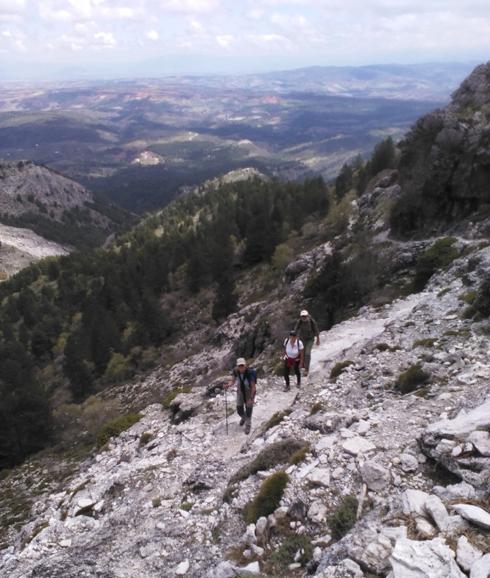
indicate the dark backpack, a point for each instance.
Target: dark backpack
{"x":250,"y":374}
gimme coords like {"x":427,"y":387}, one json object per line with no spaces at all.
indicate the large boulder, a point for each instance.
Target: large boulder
{"x":442,"y":442}
{"x":427,"y":559}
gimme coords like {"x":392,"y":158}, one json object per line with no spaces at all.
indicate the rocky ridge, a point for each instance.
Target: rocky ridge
{"x":151,"y":503}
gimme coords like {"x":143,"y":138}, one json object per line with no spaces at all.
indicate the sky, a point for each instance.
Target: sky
{"x":107,"y":38}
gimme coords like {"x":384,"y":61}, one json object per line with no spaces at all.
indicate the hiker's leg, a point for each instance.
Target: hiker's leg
{"x":308,"y":346}
{"x":298,"y":374}
{"x":286,"y":374}
{"x":248,"y":419}
{"x":240,"y":403}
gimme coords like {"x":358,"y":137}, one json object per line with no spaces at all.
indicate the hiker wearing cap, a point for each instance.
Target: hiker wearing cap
{"x":245,"y":380}
{"x":293,"y":358}
{"x":307,"y":330}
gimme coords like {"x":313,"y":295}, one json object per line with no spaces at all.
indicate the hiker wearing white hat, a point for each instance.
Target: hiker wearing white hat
{"x":307,"y":330}
{"x":245,"y":380}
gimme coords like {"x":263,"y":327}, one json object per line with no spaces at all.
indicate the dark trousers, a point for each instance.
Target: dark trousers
{"x":296,"y":370}
{"x":308,"y":343}
{"x":241,"y":406}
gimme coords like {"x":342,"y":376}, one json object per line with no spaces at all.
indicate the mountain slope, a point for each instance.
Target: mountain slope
{"x":369,"y":470}
{"x":55,"y":207}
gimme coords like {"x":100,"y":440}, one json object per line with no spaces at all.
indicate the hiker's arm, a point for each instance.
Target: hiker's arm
{"x":317,"y":333}
{"x":250,"y":401}
{"x":302,"y":357}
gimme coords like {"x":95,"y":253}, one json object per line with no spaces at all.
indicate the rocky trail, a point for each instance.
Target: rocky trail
{"x":165,"y":498}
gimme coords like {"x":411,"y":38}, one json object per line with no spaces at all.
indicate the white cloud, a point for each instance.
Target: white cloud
{"x":225,"y":40}
{"x":152,"y":35}
{"x":11,"y":7}
{"x":190,"y":6}
{"x":105,"y":39}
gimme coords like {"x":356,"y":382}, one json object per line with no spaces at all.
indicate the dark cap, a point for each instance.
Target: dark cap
{"x":293,"y":332}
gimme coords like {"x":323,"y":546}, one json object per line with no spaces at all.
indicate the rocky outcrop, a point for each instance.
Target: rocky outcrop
{"x":445,"y":162}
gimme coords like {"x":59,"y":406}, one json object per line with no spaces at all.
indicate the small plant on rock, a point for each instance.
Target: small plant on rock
{"x":277,"y":418}
{"x":288,"y":551}
{"x":338,"y":368}
{"x":439,"y":255}
{"x":268,"y":498}
{"x":411,"y":379}
{"x":116,"y":426}
{"x":344,"y":517}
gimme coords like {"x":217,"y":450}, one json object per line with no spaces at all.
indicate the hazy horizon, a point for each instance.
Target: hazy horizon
{"x":97,"y":39}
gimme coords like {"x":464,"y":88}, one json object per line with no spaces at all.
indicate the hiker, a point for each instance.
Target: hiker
{"x":245,"y":379}
{"x":307,"y":330}
{"x":293,"y":358}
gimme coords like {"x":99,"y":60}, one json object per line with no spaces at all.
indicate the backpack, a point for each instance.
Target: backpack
{"x":250,"y":374}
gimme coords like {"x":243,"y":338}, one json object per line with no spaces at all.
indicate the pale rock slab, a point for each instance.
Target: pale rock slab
{"x":413,"y":502}
{"x":437,"y":511}
{"x":428,"y":559}
{"x":409,"y":463}
{"x":182,"y":568}
{"x":358,"y":445}
{"x":481,"y":568}
{"x":467,"y":554}
{"x":474,"y":514}
{"x":319,"y":477}
{"x":374,"y":475}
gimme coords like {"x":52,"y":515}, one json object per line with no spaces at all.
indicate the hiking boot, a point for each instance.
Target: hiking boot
{"x":286,"y":388}
{"x":242,"y":421}
{"x":248,"y":425}
{"x":306,"y":372}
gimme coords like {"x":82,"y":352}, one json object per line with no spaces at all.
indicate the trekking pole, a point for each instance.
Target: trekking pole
{"x":226,"y":411}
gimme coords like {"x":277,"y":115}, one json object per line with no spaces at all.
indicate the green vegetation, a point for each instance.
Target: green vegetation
{"x":411,"y":379}
{"x":186,"y":506}
{"x":145,"y":438}
{"x":338,"y":368}
{"x":469,"y":297}
{"x":344,"y":517}
{"x":441,"y":254}
{"x":427,"y":342}
{"x":277,"y":453}
{"x":300,"y":455}
{"x":285,"y":554}
{"x":116,"y":426}
{"x":94,"y":318}
{"x":277,"y":418}
{"x":268,"y":498}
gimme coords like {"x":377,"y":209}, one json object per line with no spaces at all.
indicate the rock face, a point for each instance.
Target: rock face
{"x":440,"y":440}
{"x":33,"y":196}
{"x":446,"y":158}
{"x":429,"y":559}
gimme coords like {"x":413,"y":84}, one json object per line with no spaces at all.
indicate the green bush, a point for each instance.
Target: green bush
{"x":338,"y":368}
{"x":427,"y":342}
{"x":344,"y":517}
{"x":268,"y":498}
{"x":116,"y":426}
{"x":300,"y":455}
{"x":286,"y":553}
{"x":410,"y":379}
{"x":441,"y":254}
{"x":277,"y":418}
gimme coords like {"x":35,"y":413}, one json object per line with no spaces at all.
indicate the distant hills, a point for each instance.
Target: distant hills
{"x":43,"y":213}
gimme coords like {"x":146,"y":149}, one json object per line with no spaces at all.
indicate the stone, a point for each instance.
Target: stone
{"x":393,"y":533}
{"x":481,"y":441}
{"x":481,"y":568}
{"x":426,"y":559}
{"x":456,"y":524}
{"x":345,"y":569}
{"x":474,"y":514}
{"x":413,"y":502}
{"x":182,"y":568}
{"x":317,"y":512}
{"x":222,"y":570}
{"x":252,"y":569}
{"x":325,"y":422}
{"x":408,"y":463}
{"x":466,"y":553}
{"x":363,"y":427}
{"x":425,"y":529}
{"x":261,"y":528}
{"x":374,"y":475}
{"x":455,"y":491}
{"x":358,"y":445}
{"x":319,"y":477}
{"x":437,"y":511}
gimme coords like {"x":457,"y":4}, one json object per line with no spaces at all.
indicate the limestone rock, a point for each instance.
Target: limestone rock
{"x":481,"y":567}
{"x":437,"y":511}
{"x":358,"y":445}
{"x":413,"y":502}
{"x":409,"y":463}
{"x":474,"y":514}
{"x":374,"y":475}
{"x":424,"y":528}
{"x":346,"y":569}
{"x":466,"y":553}
{"x":182,"y":568}
{"x":319,"y":477}
{"x":428,"y":559}
{"x":481,"y":441}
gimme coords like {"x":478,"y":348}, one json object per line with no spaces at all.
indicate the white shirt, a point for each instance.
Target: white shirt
{"x":293,"y":351}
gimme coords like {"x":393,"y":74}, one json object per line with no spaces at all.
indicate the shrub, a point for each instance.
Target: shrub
{"x":469,"y":297}
{"x":482,"y":299}
{"x":286,"y":553}
{"x":115,"y":427}
{"x":441,"y":254}
{"x":344,"y":517}
{"x":272,"y":455}
{"x":410,"y":379}
{"x":145,"y":438}
{"x":118,"y":369}
{"x":268,"y":498}
{"x":338,"y":368}
{"x":277,"y":418}
{"x":186,"y":506}
{"x":427,"y":342}
{"x":300,"y":455}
